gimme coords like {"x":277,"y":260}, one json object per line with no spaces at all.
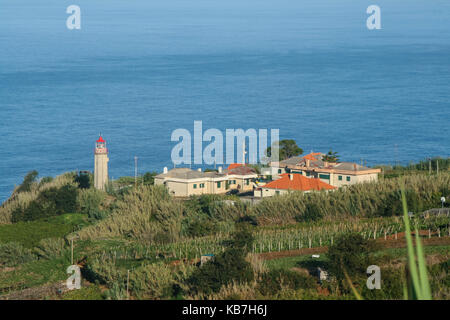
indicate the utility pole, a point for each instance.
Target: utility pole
{"x":135,"y":170}
{"x":396,"y":155}
{"x":128,"y":282}
{"x":429,"y":165}
{"x":243,"y":152}
{"x":437,"y":166}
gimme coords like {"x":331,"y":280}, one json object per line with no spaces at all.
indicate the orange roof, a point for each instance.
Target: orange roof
{"x":312,"y":156}
{"x":298,"y":182}
{"x":234,"y":165}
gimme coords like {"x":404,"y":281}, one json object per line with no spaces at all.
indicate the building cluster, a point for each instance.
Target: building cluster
{"x":312,"y":173}
{"x":307,"y":173}
{"x":185,"y":182}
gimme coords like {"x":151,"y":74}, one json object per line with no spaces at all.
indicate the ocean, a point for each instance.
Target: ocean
{"x":139,"y":69}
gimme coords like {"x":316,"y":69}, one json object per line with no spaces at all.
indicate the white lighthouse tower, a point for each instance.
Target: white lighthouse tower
{"x":101,"y":164}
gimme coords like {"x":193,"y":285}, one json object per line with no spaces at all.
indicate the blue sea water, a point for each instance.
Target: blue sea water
{"x":139,"y":69}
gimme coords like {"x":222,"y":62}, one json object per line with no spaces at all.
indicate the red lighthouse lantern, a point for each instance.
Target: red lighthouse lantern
{"x":100,"y":146}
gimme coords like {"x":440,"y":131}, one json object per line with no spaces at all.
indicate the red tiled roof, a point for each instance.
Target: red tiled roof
{"x":241,"y":170}
{"x":234,"y":165}
{"x":312,"y":156}
{"x":298,"y":182}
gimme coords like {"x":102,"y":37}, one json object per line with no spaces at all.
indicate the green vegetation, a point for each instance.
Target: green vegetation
{"x":91,"y":292}
{"x":227,"y":267}
{"x":287,"y":148}
{"x":28,"y":181}
{"x":50,"y":202}
{"x":350,"y":254}
{"x":139,"y":237}
{"x":147,"y":179}
{"x":331,"y":156}
{"x":84,"y":180}
{"x":29,"y":234}
{"x":375,"y":199}
{"x":420,"y":288}
{"x":431,"y":166}
{"x":274,"y":281}
{"x":30,"y":192}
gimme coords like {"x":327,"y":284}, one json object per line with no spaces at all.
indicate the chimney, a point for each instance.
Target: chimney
{"x":220,"y":169}
{"x":354,"y":166}
{"x":291,"y":176}
{"x":307,"y":162}
{"x":326,"y":163}
{"x":165,"y":170}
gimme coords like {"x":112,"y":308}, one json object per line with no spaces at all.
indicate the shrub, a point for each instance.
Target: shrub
{"x":90,"y":202}
{"x":116,"y":292}
{"x":18,"y":202}
{"x":83,"y":180}
{"x":29,"y":179}
{"x":312,"y":212}
{"x":392,"y":282}
{"x":200,"y":228}
{"x":158,"y":281}
{"x":273,"y":281}
{"x":50,"y":248}
{"x":149,"y":178}
{"x":230,"y":266}
{"x":350,"y":254}
{"x":50,"y":202}
{"x":45,"y":180}
{"x":91,"y":292}
{"x":13,"y":253}
{"x":103,"y":269}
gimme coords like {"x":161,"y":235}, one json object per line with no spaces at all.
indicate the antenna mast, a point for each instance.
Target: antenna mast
{"x":135,"y":170}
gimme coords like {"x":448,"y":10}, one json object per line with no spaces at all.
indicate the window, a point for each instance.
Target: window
{"x":324,"y":176}
{"x":195,"y":186}
{"x":279,"y":170}
{"x":219,"y":184}
{"x":247,"y":182}
{"x":277,"y":192}
{"x":308,"y":173}
{"x":202,"y":185}
{"x":340,"y":178}
{"x":348,"y":178}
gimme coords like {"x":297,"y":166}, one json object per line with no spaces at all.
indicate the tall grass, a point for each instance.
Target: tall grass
{"x":381,"y":198}
{"x":416,"y":261}
{"x":145,"y":213}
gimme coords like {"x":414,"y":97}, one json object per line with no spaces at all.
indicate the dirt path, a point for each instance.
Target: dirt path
{"x":36,"y":293}
{"x":385,"y":244}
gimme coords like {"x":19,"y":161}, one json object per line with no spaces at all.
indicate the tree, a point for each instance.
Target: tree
{"x":29,"y":179}
{"x":350,"y":254}
{"x":331,"y":156}
{"x":287,"y":148}
{"x":149,"y":178}
{"x":83,"y":180}
{"x":227,"y":267}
